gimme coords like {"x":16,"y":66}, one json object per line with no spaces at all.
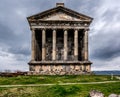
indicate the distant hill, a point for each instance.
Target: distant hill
{"x":107,"y":72}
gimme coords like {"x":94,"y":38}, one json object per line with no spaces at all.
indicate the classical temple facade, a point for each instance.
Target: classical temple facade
{"x":59,"y":42}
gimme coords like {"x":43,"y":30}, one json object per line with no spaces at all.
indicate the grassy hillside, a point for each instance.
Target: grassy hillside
{"x":60,"y":91}
{"x":52,"y":79}
{"x":57,"y":90}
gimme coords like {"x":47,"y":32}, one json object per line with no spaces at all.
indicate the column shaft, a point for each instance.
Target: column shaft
{"x":54,"y":46}
{"x":89,"y":68}
{"x":86,"y":45}
{"x":76,"y":44}
{"x":33,"y":45}
{"x":65,"y":45}
{"x":43,"y":44}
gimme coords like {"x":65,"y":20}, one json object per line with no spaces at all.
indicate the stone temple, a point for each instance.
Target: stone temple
{"x":59,"y":42}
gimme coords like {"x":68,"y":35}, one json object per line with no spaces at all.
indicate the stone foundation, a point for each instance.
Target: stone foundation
{"x":59,"y":69}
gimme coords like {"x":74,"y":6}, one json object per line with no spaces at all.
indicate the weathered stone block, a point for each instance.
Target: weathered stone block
{"x":113,"y":95}
{"x":95,"y":93}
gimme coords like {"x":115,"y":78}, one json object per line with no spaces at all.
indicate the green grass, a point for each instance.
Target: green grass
{"x":52,"y":79}
{"x":60,"y":91}
{"x":81,"y":90}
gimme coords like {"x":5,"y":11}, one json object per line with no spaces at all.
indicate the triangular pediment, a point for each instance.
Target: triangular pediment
{"x":59,"y":14}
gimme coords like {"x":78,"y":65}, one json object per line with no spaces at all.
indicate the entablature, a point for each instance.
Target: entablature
{"x":58,"y":27}
{"x":60,"y":24}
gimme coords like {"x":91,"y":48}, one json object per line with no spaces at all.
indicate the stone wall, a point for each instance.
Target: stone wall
{"x":59,"y":69}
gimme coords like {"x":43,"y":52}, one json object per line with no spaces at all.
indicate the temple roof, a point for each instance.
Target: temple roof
{"x":59,"y":13}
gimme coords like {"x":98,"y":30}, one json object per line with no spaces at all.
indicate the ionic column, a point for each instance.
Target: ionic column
{"x":86,"y":45}
{"x":76,"y":44}
{"x":33,"y":45}
{"x":65,"y":45}
{"x":43,"y":44}
{"x":54,"y":46}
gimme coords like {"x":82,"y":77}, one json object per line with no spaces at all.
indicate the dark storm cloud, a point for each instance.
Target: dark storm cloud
{"x":86,"y":7}
{"x":6,"y":34}
{"x":13,"y":41}
{"x":20,"y":50}
{"x":105,"y":43}
{"x":107,"y":52}
{"x":106,"y":46}
{"x":14,"y":30}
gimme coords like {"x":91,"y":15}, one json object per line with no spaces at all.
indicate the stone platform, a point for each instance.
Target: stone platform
{"x":59,"y":67}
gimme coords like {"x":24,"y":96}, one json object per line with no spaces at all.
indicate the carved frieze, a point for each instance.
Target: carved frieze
{"x":60,"y":25}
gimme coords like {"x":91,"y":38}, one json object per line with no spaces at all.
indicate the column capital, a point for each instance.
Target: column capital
{"x":87,"y":29}
{"x":43,"y":29}
{"x":76,"y":29}
{"x":54,"y":29}
{"x":65,"y":29}
{"x":32,"y":29}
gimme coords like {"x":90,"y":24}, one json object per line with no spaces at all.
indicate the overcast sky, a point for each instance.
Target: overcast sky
{"x":104,"y":34}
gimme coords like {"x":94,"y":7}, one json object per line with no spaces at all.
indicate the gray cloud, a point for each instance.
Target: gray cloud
{"x":107,"y":52}
{"x":105,"y":45}
{"x":6,"y":34}
{"x":105,"y":33}
{"x":20,"y":50}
